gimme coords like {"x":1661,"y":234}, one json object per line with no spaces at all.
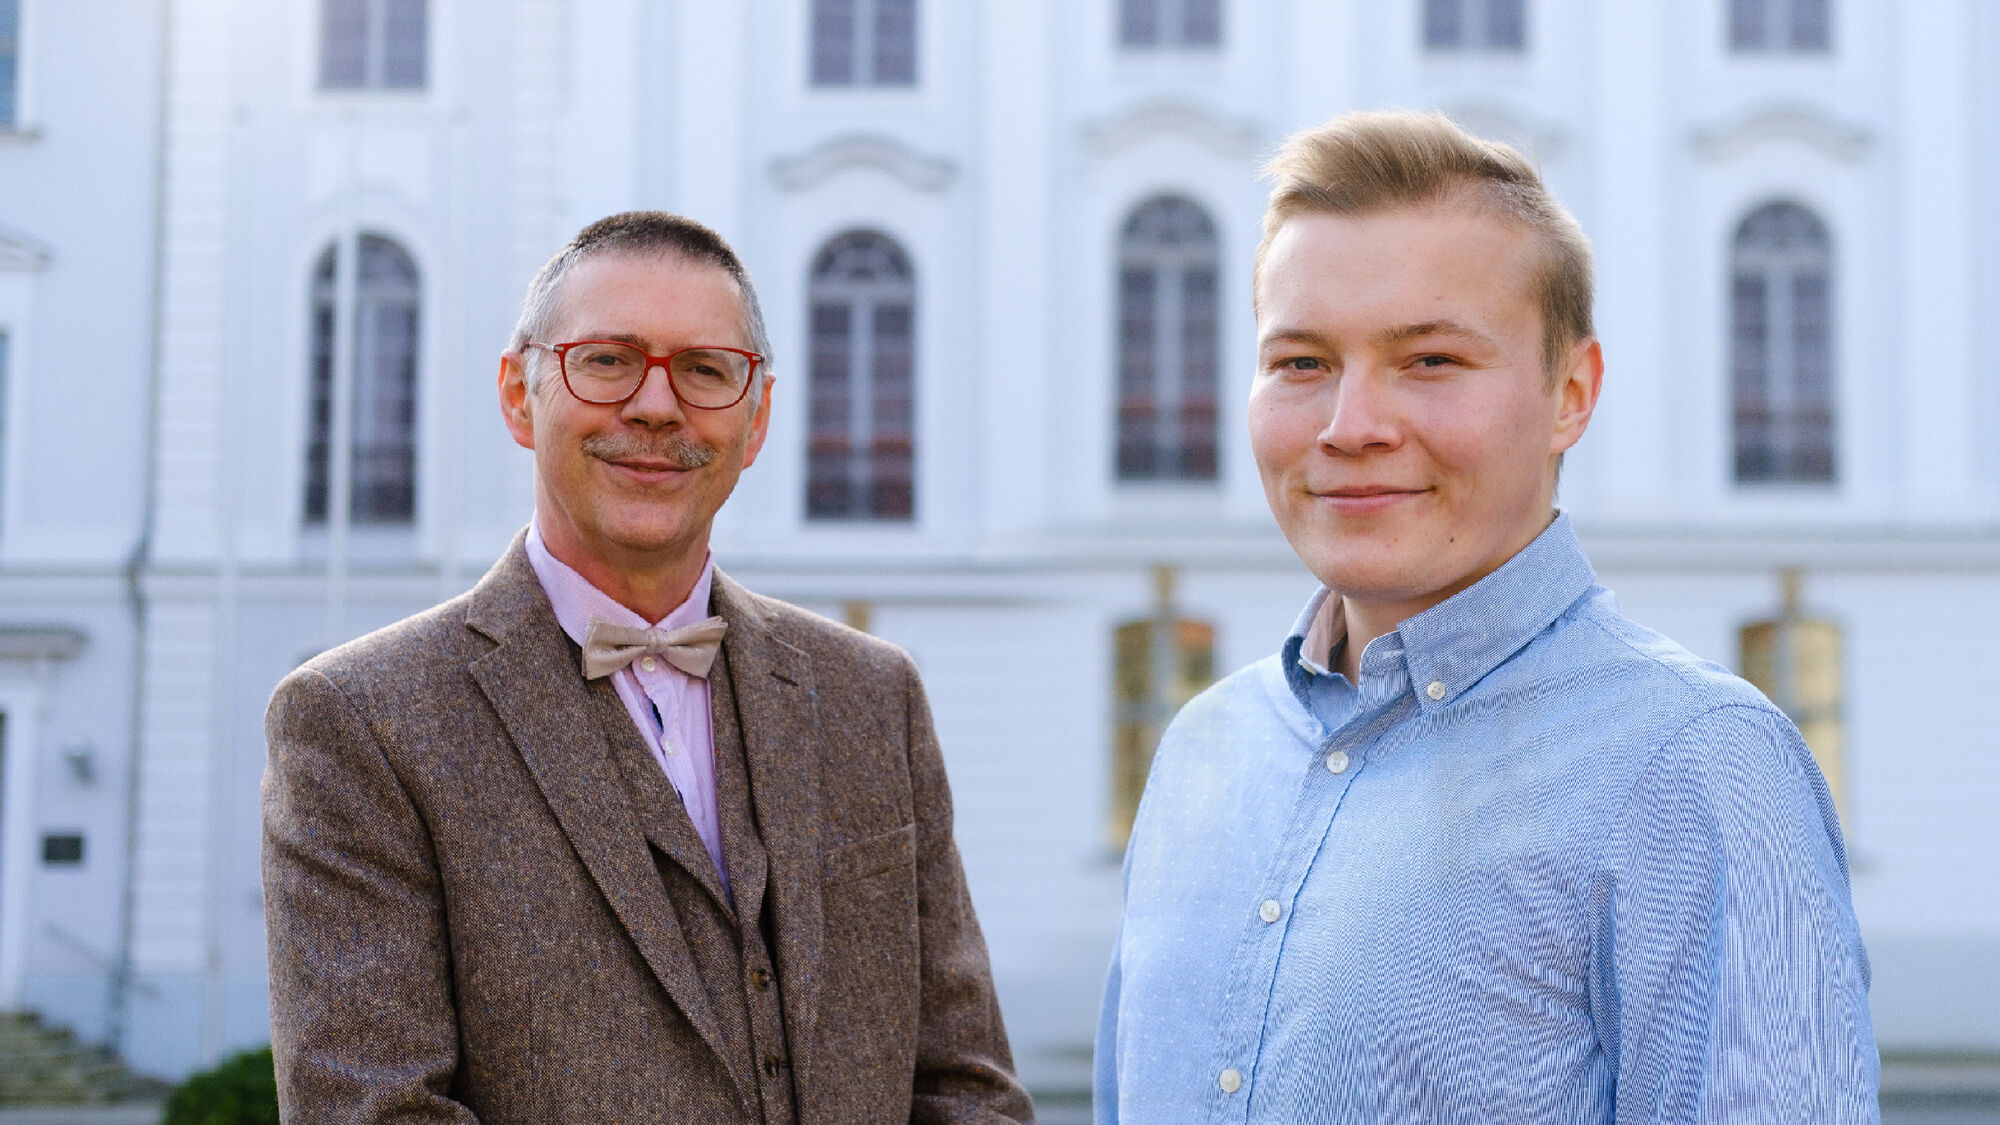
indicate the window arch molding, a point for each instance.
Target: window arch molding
{"x":1781,"y":293}
{"x":862,"y":298}
{"x":365,"y":338}
{"x":1166,"y":266}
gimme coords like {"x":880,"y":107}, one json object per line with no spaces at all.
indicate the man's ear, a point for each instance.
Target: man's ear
{"x":760,"y":422}
{"x":1576,"y":393}
{"x":516,"y":400}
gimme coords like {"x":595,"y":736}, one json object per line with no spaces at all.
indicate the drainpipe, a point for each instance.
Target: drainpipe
{"x":118,"y":1015}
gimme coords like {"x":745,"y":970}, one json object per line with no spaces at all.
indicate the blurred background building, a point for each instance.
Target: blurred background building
{"x":258,"y":260}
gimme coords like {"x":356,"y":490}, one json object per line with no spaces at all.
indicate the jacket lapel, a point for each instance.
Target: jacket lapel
{"x":533,"y":680}
{"x":777,"y":711}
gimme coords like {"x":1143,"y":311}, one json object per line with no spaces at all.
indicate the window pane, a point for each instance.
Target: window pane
{"x":384,"y":450}
{"x":343,"y":44}
{"x":1139,"y":23}
{"x":1201,"y":23}
{"x":10,"y":67}
{"x":1443,"y":24}
{"x":319,"y":393}
{"x":895,"y":42}
{"x":833,"y":42}
{"x":1506,"y":24}
{"x":1136,"y":298}
{"x":403,"y":49}
{"x":1749,"y":28}
{"x":1809,"y":25}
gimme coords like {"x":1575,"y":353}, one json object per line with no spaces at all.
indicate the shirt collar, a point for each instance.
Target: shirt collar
{"x":1454,"y":644}
{"x":576,"y":601}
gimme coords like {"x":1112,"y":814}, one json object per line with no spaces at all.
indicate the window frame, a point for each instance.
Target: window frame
{"x":375,"y":53}
{"x":865,"y":56}
{"x":1162,"y":13}
{"x":1156,"y":449}
{"x":365,"y":371}
{"x":1770,"y":385}
{"x":1474,"y":27}
{"x":872,"y":464}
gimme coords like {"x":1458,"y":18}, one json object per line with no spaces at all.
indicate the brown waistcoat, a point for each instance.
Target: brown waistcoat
{"x":727,"y":928}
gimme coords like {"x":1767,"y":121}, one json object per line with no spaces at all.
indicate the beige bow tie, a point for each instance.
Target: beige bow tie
{"x":608,"y":647}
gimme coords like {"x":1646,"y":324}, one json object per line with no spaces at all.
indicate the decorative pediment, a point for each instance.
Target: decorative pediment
{"x":1542,"y":141}
{"x":1177,"y":119}
{"x":19,"y":253}
{"x":864,"y":151}
{"x":1802,"y":124}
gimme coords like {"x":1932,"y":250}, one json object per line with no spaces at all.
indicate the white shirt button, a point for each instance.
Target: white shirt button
{"x":652,"y":664}
{"x":1271,"y":911}
{"x":1436,"y":690}
{"x":1336,"y":762}
{"x":1231,"y":1080}
{"x":667,"y":748}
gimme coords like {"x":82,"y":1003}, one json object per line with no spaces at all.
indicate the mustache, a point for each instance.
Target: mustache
{"x":674,"y":449}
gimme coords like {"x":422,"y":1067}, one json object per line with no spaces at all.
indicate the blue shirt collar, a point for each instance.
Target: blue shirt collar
{"x":1454,"y":644}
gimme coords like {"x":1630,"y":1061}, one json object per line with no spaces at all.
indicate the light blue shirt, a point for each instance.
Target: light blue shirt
{"x":1540,"y":864}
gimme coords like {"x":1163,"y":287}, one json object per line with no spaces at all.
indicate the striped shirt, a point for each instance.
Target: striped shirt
{"x":1539,"y":864}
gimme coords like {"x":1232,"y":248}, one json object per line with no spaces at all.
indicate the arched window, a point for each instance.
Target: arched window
{"x":381,"y":387}
{"x":864,"y":42}
{"x":1781,"y":342}
{"x":1168,"y":352}
{"x":861,"y":452}
{"x":1475,"y":25}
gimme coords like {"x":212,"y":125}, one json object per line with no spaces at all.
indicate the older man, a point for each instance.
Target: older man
{"x":610,"y":838}
{"x":1472,"y":846}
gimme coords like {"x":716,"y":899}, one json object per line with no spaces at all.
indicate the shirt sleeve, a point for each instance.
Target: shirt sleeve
{"x":1104,"y":1063}
{"x":1729,"y":980}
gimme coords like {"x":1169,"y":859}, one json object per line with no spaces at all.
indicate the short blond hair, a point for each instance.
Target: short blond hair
{"x":1380,"y":160}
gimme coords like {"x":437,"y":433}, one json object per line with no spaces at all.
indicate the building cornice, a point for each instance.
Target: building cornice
{"x":1838,"y":141}
{"x":868,"y":151}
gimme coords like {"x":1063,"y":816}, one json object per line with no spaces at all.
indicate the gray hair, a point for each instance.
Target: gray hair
{"x":637,"y":233}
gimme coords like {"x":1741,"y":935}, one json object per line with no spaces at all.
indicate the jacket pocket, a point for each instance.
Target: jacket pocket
{"x":892,"y":850}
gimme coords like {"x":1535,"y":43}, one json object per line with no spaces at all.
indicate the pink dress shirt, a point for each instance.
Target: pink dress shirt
{"x":669,"y":707}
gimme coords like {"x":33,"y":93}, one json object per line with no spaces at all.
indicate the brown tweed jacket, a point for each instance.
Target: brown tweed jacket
{"x":466,"y":923}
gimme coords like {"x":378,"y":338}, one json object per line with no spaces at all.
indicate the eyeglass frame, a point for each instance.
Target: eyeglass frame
{"x":663,"y":362}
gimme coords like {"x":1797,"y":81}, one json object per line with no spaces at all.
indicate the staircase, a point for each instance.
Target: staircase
{"x":41,"y":1065}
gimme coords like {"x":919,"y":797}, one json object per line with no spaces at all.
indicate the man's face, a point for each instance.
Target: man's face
{"x":635,"y":485}
{"x":1401,"y":416}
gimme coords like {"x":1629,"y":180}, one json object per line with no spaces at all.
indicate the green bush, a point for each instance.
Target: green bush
{"x":241,"y":1090}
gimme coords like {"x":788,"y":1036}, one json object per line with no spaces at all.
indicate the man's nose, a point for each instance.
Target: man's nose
{"x":654,"y":403}
{"x":1364,"y":414}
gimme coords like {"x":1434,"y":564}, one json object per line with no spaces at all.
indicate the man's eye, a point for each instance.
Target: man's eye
{"x":1436,"y":361}
{"x":1298,"y":363}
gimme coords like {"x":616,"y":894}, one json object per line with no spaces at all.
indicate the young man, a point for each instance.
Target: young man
{"x":1473,"y":846}
{"x":611,"y":838}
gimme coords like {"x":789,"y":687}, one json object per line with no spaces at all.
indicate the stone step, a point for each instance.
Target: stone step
{"x":47,"y":1066}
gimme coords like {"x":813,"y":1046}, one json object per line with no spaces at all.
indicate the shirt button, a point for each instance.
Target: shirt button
{"x":667,"y":748}
{"x":1231,"y":1080}
{"x":652,"y":664}
{"x":1336,"y":762}
{"x":1436,"y":690}
{"x":1271,"y":911}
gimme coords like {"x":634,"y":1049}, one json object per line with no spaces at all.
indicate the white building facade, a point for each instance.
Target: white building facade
{"x":257,"y":262}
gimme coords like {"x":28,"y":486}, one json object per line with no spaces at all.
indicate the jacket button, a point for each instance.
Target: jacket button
{"x":772,"y":1066}
{"x":760,"y":978}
